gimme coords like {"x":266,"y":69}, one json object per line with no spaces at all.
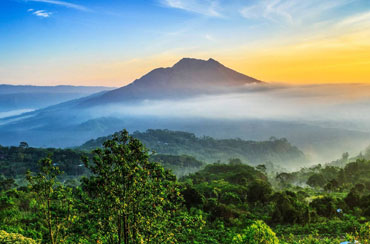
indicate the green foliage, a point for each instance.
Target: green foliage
{"x":259,"y":191}
{"x":6,"y":183}
{"x":15,"y":161}
{"x":180,"y":165}
{"x":256,"y":233}
{"x":53,"y":201}
{"x":135,"y":200}
{"x":127,"y":197}
{"x":325,"y":206}
{"x":364,"y":233}
{"x":316,"y":180}
{"x":239,"y":174}
{"x":309,"y":239}
{"x":211,"y":150}
{"x":222,"y":190}
{"x":289,"y":209}
{"x":9,"y":238}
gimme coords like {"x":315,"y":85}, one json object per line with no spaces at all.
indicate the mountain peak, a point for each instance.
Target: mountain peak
{"x":188,"y":77}
{"x":188,"y":62}
{"x":212,"y":60}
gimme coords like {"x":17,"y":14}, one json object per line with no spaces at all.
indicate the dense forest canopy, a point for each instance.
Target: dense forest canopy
{"x":120,"y":193}
{"x":278,"y":151}
{"x":15,"y":161}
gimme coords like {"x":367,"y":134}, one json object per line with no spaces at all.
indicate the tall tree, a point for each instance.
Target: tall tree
{"x":53,"y":200}
{"x":135,"y":199}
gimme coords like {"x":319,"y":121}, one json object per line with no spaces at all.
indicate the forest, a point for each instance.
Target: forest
{"x":121,"y":192}
{"x":209,"y":149}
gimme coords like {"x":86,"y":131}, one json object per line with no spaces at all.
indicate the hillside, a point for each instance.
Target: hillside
{"x":35,"y":97}
{"x":208,"y":149}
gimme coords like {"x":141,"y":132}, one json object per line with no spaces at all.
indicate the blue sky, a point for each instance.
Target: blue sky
{"x":101,"y":42}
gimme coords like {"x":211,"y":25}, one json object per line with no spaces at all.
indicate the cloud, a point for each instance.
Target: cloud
{"x":336,"y":104}
{"x":63,"y":3}
{"x":358,"y":19}
{"x":40,"y":13}
{"x":292,"y":12}
{"x":205,"y":7}
{"x":209,"y":37}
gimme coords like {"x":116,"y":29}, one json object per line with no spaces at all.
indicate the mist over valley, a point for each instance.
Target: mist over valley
{"x":185,"y":122}
{"x":208,"y":99}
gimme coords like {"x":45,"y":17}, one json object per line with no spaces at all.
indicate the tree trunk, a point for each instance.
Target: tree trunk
{"x":49,"y":224}
{"x":119,"y":228}
{"x":125,"y":229}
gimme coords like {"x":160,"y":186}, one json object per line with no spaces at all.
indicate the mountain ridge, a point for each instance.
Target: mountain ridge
{"x":210,"y":150}
{"x":29,"y":97}
{"x":187,"y":77}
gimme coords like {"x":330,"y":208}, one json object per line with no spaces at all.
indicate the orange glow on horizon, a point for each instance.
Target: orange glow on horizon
{"x":340,"y":60}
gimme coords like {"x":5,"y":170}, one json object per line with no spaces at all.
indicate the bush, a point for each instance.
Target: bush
{"x":310,"y":239}
{"x":10,"y":238}
{"x":325,"y":206}
{"x":257,"y":233}
{"x":365,"y":233}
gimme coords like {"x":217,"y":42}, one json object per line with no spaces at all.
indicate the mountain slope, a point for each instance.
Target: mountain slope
{"x":36,"y":97}
{"x":186,"y":78}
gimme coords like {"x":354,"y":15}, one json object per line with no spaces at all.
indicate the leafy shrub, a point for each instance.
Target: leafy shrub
{"x":257,"y":233}
{"x":310,"y":239}
{"x":365,"y":233}
{"x":325,"y":206}
{"x":10,"y":238}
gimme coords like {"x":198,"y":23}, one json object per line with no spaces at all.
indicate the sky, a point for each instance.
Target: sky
{"x":114,"y":42}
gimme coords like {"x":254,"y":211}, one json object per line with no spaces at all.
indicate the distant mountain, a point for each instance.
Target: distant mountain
{"x":186,"y":78}
{"x":36,"y":97}
{"x":210,"y":150}
{"x":137,"y":107}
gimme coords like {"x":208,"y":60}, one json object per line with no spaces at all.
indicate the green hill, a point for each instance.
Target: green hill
{"x":210,"y":150}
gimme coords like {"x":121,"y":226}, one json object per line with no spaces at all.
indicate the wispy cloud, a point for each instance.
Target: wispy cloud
{"x":293,"y":12}
{"x":358,"y":19}
{"x":209,"y":37}
{"x":203,"y":7}
{"x":40,"y":13}
{"x":63,"y":3}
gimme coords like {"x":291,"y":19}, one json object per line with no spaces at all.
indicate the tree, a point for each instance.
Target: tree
{"x":332,"y":185}
{"x":135,"y":200}
{"x":192,"y":197}
{"x":10,"y":238}
{"x":256,"y":233}
{"x":289,"y":209}
{"x":6,"y":183}
{"x":235,"y":161}
{"x":316,"y":180}
{"x":23,"y":144}
{"x":262,"y":168}
{"x":284,"y":179}
{"x":352,"y":199}
{"x":359,"y":188}
{"x":259,"y":191}
{"x":324,"y":206}
{"x":364,"y":233}
{"x":345,"y":157}
{"x":53,"y":199}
